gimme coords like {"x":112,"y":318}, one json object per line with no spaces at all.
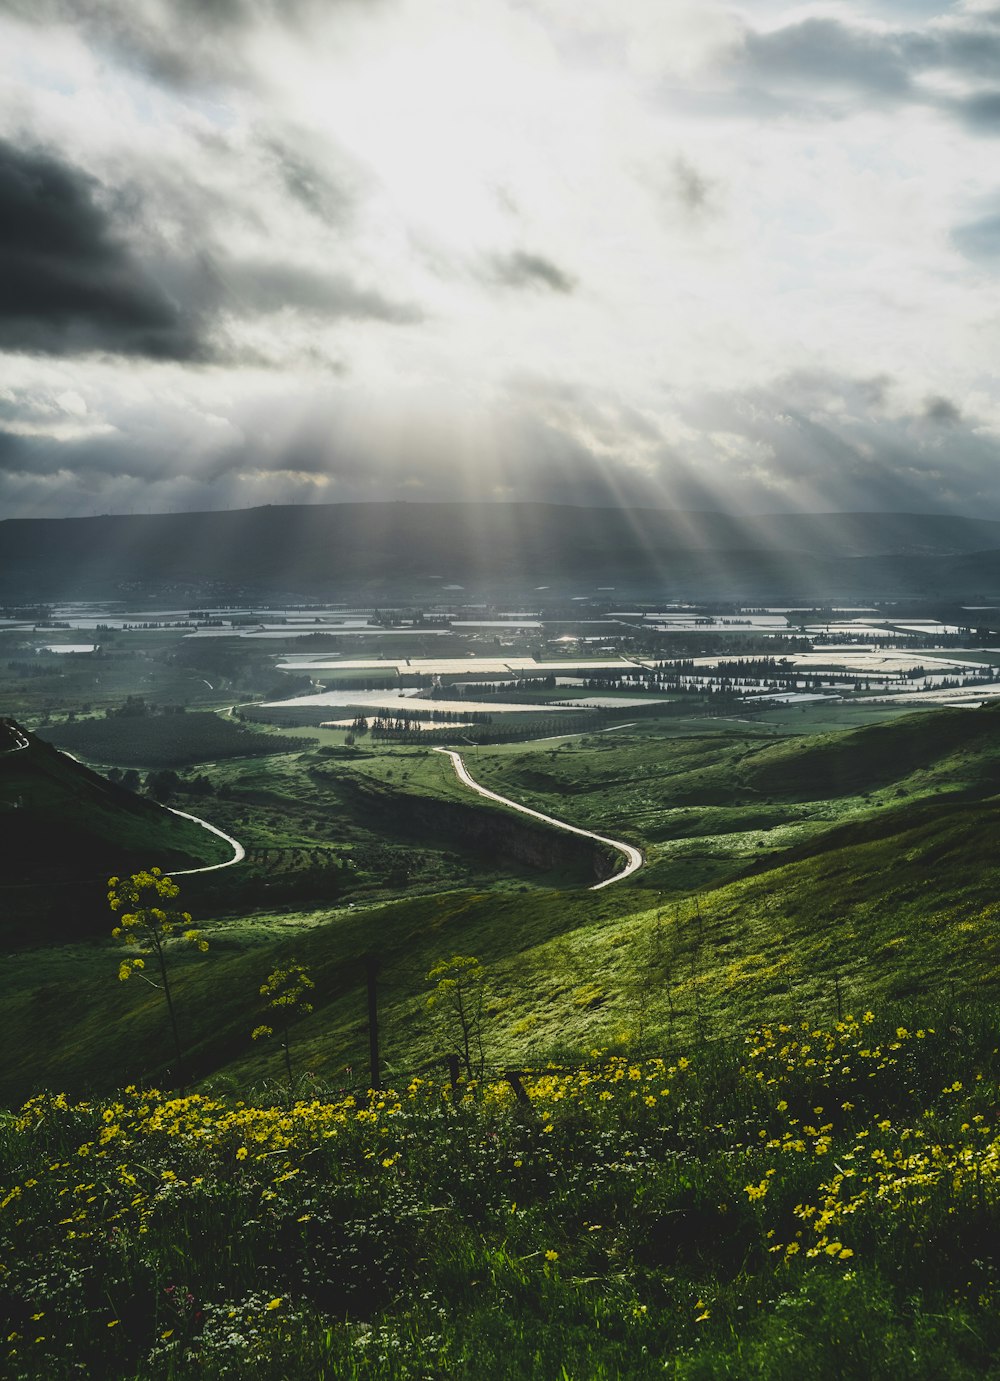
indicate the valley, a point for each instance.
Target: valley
{"x":723,"y":884}
{"x":739,"y":756}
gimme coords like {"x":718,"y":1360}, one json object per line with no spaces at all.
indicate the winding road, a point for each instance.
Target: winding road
{"x":21,"y":741}
{"x":633,"y":857}
{"x":632,"y":854}
{"x":239,"y":853}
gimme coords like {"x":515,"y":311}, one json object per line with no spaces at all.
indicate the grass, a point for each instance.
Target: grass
{"x":750,"y":825}
{"x":891,"y":909}
{"x":743,"y":908}
{"x":317,"y":825}
{"x":815,"y":1197}
{"x":706,"y":804}
{"x":817,"y":1200}
{"x":370,"y":823}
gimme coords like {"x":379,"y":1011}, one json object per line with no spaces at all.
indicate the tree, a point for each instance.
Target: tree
{"x":163,"y":785}
{"x":458,"y":999}
{"x":285,"y":988}
{"x":146,"y":927}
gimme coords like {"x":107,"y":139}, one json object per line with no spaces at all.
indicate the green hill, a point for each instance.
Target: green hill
{"x":65,"y":827}
{"x":892,"y":901}
{"x":896,"y":910}
{"x":707,"y":806}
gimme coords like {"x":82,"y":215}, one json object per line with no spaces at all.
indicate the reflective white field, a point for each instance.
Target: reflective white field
{"x":402,"y":702}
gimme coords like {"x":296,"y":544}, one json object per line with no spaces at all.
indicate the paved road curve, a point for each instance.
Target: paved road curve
{"x":21,"y":742}
{"x":239,"y":853}
{"x":633,"y":856}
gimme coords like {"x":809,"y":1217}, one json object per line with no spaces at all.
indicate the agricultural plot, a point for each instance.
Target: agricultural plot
{"x":476,"y":665}
{"x":36,"y":685}
{"x":413,"y":703}
{"x":161,"y":740}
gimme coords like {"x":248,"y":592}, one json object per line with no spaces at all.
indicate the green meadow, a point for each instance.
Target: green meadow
{"x":752,"y":1130}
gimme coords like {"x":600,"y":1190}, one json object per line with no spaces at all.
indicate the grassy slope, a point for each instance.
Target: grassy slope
{"x":891,"y":905}
{"x":369,"y":812}
{"x":707,"y":806}
{"x":899,"y":917}
{"x":62,"y":820}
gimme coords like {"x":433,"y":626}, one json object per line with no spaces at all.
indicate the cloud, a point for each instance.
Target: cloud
{"x":252,"y":287}
{"x":12,"y":452}
{"x":981,"y":112}
{"x":689,"y":222}
{"x":942,"y":411}
{"x":523,"y":270}
{"x":814,"y":441}
{"x":979,"y":238}
{"x":68,"y":281}
{"x":823,"y":445}
{"x":305,"y":174}
{"x":180,"y":43}
{"x":84,"y":269}
{"x":833,"y":63}
{"x":829,"y":53}
{"x":690,"y":187}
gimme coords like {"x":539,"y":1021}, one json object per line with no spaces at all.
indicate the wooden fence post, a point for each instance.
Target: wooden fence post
{"x":453,"y":1067}
{"x":520,"y":1092}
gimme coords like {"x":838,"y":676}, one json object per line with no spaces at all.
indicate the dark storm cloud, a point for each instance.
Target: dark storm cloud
{"x":12,"y":452}
{"x":974,"y":50}
{"x":72,"y":281}
{"x":981,"y":112}
{"x":91,"y":465}
{"x":523,"y":270}
{"x":824,"y":446}
{"x":826,"y":59}
{"x":68,"y":283}
{"x":810,"y":441}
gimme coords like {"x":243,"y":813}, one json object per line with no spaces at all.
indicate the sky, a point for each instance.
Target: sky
{"x":681,"y":253}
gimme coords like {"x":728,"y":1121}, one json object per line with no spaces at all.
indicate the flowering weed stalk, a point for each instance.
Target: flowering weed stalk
{"x":145,"y":927}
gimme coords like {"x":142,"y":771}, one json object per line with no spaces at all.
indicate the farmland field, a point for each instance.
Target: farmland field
{"x":176,"y":740}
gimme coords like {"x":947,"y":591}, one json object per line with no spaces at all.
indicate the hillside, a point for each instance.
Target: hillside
{"x":418,"y":548}
{"x":894,"y":920}
{"x":747,"y":1121}
{"x":891,"y":903}
{"x":64,"y":825}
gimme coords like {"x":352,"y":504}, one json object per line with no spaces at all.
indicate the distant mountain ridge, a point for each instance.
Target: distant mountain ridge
{"x":331,"y":550}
